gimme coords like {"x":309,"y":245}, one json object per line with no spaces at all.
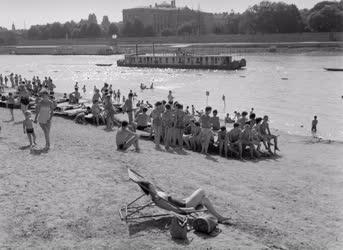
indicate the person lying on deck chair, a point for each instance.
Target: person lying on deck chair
{"x":198,"y":198}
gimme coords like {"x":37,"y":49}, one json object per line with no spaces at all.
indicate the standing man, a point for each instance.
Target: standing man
{"x":170,"y":96}
{"x":129,"y":108}
{"x":314,"y":126}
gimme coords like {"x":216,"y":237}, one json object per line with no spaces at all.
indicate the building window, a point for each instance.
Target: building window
{"x":188,"y":60}
{"x":173,"y":60}
{"x":166,"y":60}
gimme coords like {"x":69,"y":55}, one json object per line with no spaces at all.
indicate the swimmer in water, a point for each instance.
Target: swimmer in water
{"x":314,"y":127}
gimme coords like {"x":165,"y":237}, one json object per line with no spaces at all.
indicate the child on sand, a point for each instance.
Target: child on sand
{"x":28,"y":128}
{"x":221,"y":139}
{"x":10,"y":105}
{"x":314,"y":126}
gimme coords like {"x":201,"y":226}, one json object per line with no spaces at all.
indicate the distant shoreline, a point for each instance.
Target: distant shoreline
{"x":212,"y":48}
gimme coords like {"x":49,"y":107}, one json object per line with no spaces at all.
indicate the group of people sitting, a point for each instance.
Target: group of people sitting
{"x":197,"y":131}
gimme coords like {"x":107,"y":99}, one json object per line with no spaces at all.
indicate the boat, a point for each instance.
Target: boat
{"x":334,"y":69}
{"x":104,"y":64}
{"x":182,"y":60}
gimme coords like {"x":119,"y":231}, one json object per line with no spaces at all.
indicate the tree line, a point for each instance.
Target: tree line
{"x":265,"y":17}
{"x":279,"y":17}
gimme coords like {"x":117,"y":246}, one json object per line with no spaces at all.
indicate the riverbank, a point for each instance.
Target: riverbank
{"x":69,"y":197}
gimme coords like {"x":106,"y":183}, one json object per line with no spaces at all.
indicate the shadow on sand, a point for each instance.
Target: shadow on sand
{"x":161,"y":224}
{"x":39,"y":151}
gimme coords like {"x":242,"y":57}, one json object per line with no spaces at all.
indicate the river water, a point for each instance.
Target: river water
{"x":290,"y":88}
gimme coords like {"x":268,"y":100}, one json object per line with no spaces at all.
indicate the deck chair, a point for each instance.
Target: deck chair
{"x":130,"y":211}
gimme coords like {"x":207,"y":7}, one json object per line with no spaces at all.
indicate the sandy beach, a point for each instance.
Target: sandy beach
{"x":70,"y":196}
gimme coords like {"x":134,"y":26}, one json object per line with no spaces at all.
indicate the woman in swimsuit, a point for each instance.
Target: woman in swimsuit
{"x":44,"y":113}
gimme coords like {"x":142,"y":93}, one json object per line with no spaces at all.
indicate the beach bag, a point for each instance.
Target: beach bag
{"x":178,"y":228}
{"x":205,"y":224}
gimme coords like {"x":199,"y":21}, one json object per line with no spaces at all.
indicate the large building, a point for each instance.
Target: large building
{"x":167,"y":16}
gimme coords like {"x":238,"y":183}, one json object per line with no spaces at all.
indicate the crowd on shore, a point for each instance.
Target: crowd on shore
{"x":167,"y":121}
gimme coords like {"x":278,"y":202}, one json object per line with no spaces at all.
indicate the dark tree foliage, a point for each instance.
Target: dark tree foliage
{"x":88,"y":28}
{"x":112,"y":30}
{"x":136,"y":29}
{"x":168,"y":32}
{"x":8,"y":37}
{"x":271,"y":17}
{"x":326,"y":17}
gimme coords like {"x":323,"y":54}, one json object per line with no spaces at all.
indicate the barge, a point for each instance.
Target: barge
{"x":182,"y":60}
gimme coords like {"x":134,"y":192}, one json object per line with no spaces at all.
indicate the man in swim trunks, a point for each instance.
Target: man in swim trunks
{"x":126,"y":138}
{"x":10,"y":105}
{"x":233,"y":140}
{"x":265,"y":131}
{"x":314,"y":126}
{"x":206,"y":133}
{"x":129,"y":108}
{"x":215,"y":121}
{"x":142,"y":120}
{"x":243,"y":119}
{"x":247,"y":140}
{"x":168,"y":124}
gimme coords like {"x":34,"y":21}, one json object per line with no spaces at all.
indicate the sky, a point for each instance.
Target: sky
{"x":30,"y":12}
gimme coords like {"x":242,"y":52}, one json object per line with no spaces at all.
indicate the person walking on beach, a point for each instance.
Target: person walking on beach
{"x":44,"y":113}
{"x":314,"y":126}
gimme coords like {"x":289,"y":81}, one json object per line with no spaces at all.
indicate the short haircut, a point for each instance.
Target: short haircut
{"x":236,"y":125}
{"x":145,"y":109}
{"x":130,"y":95}
{"x":168,"y":106}
{"x":208,"y":108}
{"x":158,"y":104}
{"x":10,"y":94}
{"x":170,"y":102}
{"x":164,"y":102}
{"x":244,"y":113}
{"x":222,"y":128}
{"x":247,"y":123}
{"x":252,"y":116}
{"x":315,"y":117}
{"x":258,"y":119}
{"x":215,"y":111}
{"x":124,"y":124}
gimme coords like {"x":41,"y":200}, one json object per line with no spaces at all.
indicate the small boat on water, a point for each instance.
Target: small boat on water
{"x":104,"y":64}
{"x":334,"y":69}
{"x":182,"y":60}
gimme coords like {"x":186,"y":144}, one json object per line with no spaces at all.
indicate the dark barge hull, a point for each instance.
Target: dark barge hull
{"x":334,"y":69}
{"x":232,"y":67}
